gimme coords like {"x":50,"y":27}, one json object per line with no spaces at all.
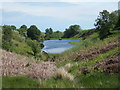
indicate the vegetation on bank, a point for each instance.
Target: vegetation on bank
{"x":92,"y":63}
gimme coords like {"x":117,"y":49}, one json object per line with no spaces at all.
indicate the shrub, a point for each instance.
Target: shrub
{"x":6,"y":45}
{"x":7,"y":37}
{"x":34,"y":33}
{"x":35,"y":46}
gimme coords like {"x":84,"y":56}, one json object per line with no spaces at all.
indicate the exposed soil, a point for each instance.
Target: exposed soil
{"x":86,"y":56}
{"x":110,"y":65}
{"x":18,"y":65}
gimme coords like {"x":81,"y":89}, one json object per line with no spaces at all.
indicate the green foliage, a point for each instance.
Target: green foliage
{"x":7,"y":33}
{"x":48,"y":33}
{"x":117,"y":27}
{"x":57,"y":83}
{"x":6,"y":45}
{"x":84,"y":45}
{"x":105,"y":22}
{"x":35,"y":46}
{"x":7,"y":37}
{"x":114,"y":17}
{"x":98,"y":80}
{"x":34,"y":33}
{"x":13,"y":27}
{"x":23,"y":27}
{"x":100,"y":57}
{"x":23,"y":30}
{"x":19,"y":82}
{"x":21,"y":47}
{"x":18,"y":37}
{"x":15,"y":42}
{"x":57,"y":34}
{"x":71,"y":31}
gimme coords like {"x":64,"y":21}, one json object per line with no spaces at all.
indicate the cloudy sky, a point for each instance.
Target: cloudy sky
{"x":57,"y":15}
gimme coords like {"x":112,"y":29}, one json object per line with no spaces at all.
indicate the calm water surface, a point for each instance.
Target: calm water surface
{"x":58,"y":46}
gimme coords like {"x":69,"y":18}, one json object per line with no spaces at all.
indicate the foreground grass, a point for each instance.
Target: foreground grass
{"x":25,"y":82}
{"x":96,"y":80}
{"x":99,"y":80}
{"x":57,"y":83}
{"x":19,"y":82}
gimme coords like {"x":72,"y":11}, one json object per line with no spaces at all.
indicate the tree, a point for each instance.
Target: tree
{"x":57,"y":34}
{"x":7,"y":37}
{"x":48,"y":33}
{"x":104,"y":23}
{"x":23,"y":30}
{"x":35,"y":46}
{"x":13,"y":27}
{"x":34,"y":33}
{"x":71,"y":31}
{"x":7,"y":33}
{"x":118,"y":22}
{"x":114,"y":19}
{"x":23,"y":27}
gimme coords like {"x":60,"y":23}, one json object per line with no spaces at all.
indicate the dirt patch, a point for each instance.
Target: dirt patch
{"x":86,"y":56}
{"x":110,"y":65}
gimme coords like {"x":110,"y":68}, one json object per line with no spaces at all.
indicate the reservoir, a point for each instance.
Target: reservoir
{"x":58,"y":46}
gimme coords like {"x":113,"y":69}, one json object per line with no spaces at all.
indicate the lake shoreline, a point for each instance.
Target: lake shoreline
{"x":58,"y":46}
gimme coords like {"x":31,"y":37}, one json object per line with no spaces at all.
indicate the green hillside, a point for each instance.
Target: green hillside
{"x":92,"y":63}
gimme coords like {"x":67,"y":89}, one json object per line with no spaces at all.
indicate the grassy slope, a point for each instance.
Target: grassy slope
{"x":92,"y":80}
{"x":20,"y":46}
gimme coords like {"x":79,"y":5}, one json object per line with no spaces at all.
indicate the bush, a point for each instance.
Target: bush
{"x":35,"y":46}
{"x":7,"y":33}
{"x":34,"y":33}
{"x":7,"y":37}
{"x":6,"y":45}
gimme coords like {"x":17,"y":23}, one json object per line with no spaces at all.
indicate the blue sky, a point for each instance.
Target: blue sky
{"x":57,"y":15}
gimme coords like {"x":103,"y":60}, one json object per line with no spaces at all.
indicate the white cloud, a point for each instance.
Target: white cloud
{"x":59,"y":0}
{"x":65,"y":12}
{"x":82,"y":13}
{"x":0,"y":13}
{"x":52,"y":11}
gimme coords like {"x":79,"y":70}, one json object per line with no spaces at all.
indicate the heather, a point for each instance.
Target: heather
{"x":92,"y":63}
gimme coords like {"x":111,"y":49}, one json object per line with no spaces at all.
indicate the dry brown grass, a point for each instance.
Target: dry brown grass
{"x":17,"y":65}
{"x":86,"y":56}
{"x":62,"y":72}
{"x":109,"y":65}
